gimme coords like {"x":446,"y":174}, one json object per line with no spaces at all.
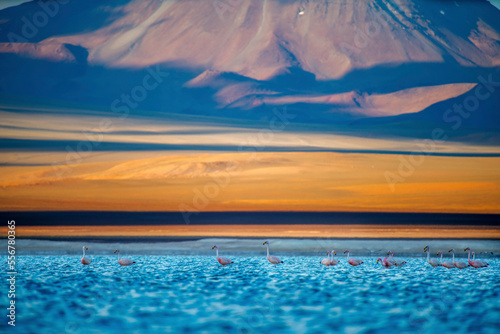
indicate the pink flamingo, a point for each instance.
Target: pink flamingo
{"x":482,"y":263}
{"x":387,"y":263}
{"x":433,"y":262}
{"x":397,"y":263}
{"x":446,"y":264}
{"x":458,"y":264}
{"x":384,"y":262}
{"x":124,"y":262}
{"x":333,"y":262}
{"x":85,"y":259}
{"x":352,"y":262}
{"x":222,"y":260}
{"x":326,"y":262}
{"x":391,"y":261}
{"x":475,"y":263}
{"x":273,"y":259}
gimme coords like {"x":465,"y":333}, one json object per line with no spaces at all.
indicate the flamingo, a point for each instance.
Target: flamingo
{"x":124,"y":262}
{"x":433,"y":262}
{"x":397,"y":263}
{"x":333,"y":261}
{"x":471,"y":263}
{"x":384,"y":263}
{"x":482,"y":263}
{"x":475,"y":263}
{"x":85,"y":259}
{"x":458,"y":264}
{"x":273,"y":259}
{"x":446,"y":264}
{"x":222,"y":260}
{"x":352,"y":262}
{"x":391,"y":261}
{"x":326,"y":262}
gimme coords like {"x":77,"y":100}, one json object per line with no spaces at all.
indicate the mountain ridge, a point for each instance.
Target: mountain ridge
{"x":328,"y":62}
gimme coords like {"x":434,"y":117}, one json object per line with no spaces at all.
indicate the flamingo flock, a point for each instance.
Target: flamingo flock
{"x":455,"y":264}
{"x":386,"y":262}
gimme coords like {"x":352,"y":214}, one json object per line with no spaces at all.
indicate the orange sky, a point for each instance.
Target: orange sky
{"x":166,"y":181}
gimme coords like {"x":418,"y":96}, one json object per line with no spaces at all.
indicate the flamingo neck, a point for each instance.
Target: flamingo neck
{"x":83,"y":252}
{"x":441,"y":258}
{"x":118,"y":253}
{"x":468,"y":256}
{"x":217,"y":252}
{"x":267,"y":245}
{"x":473,"y":257}
{"x":428,"y":256}
{"x":347,"y":256}
{"x":453,"y":257}
{"x":329,"y":256}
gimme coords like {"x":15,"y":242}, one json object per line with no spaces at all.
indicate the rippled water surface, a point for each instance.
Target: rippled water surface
{"x":196,"y":295}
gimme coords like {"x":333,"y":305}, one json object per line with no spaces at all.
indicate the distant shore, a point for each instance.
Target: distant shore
{"x":338,"y":231}
{"x":254,"y":247}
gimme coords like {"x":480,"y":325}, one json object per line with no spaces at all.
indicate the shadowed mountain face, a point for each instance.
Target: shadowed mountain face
{"x":381,"y":67}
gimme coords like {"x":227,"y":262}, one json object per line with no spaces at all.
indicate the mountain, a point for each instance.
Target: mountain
{"x":349,"y":65}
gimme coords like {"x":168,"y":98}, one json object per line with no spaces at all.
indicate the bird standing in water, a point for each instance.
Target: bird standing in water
{"x":326,"y":262}
{"x":273,"y":259}
{"x":458,"y":264}
{"x":353,"y":262}
{"x":85,"y":259}
{"x":333,"y":261}
{"x":124,"y":262}
{"x":446,"y":264}
{"x":384,"y":262}
{"x":224,"y":261}
{"x":433,"y":262}
{"x":475,"y":263}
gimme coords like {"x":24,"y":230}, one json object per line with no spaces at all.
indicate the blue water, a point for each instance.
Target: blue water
{"x":196,"y":295}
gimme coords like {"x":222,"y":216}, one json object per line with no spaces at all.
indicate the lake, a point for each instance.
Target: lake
{"x":194,"y":294}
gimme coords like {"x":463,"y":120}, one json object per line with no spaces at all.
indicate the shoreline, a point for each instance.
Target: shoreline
{"x":297,"y":231}
{"x":254,"y":247}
